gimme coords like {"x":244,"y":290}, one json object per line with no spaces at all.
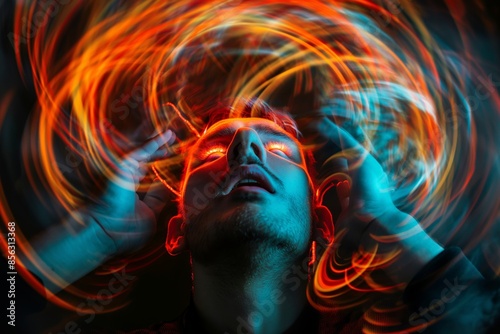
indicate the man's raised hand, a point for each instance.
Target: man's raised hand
{"x":124,"y":221}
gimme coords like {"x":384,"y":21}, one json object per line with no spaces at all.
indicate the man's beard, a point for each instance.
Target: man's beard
{"x":247,"y":232}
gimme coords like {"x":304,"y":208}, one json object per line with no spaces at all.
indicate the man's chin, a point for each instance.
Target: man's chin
{"x":242,"y":231}
{"x":241,"y":250}
{"x":246,"y":229}
{"x":238,"y":215}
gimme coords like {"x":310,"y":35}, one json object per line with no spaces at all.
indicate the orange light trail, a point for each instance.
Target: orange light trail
{"x":153,"y":65}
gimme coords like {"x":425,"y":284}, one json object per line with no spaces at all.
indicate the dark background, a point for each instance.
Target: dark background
{"x":161,"y":291}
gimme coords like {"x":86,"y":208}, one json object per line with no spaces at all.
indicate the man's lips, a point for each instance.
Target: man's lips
{"x":250,"y":175}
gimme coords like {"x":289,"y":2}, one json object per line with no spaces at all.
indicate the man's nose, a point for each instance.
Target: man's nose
{"x":246,"y":147}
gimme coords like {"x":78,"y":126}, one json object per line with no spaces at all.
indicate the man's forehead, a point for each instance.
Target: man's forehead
{"x":231,"y":125}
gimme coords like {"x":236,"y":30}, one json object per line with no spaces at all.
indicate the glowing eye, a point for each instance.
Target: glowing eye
{"x":214,"y":153}
{"x":278,"y":148}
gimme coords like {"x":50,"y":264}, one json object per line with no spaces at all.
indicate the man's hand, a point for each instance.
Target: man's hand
{"x":119,"y":222}
{"x":368,"y":220}
{"x":123,"y":221}
{"x":336,"y":151}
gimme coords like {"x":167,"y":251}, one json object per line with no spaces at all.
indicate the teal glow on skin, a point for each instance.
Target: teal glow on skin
{"x":260,"y":214}
{"x":244,"y":242}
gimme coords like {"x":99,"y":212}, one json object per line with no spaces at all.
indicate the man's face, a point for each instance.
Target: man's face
{"x":246,"y":182}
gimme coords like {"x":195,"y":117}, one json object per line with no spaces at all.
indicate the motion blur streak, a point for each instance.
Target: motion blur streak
{"x":145,"y":66}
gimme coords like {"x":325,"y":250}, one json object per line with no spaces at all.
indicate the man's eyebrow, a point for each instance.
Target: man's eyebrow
{"x":273,"y":133}
{"x":226,"y":132}
{"x":263,"y":129}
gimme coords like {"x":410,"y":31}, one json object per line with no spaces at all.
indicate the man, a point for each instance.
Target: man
{"x":251,"y":217}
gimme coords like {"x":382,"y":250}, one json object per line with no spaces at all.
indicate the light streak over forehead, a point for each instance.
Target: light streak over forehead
{"x":215,"y":131}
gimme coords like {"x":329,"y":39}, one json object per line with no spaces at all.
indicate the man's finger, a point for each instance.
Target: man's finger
{"x":147,"y":150}
{"x":342,"y":138}
{"x":160,"y":153}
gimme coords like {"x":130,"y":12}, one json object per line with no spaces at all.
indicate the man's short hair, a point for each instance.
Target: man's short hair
{"x":245,"y":108}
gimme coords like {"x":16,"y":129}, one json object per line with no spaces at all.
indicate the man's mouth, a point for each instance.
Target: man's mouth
{"x":251,"y":177}
{"x":247,"y":182}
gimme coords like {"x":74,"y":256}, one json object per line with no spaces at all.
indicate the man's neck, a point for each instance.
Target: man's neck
{"x":265,"y":296}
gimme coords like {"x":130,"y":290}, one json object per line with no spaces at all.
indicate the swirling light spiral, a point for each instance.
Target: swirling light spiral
{"x":145,"y":66}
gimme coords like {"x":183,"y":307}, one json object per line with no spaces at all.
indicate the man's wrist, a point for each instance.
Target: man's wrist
{"x":68,"y":251}
{"x":400,"y":236}
{"x":99,"y":237}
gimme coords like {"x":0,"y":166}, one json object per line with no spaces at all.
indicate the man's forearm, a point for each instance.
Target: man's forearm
{"x":67,"y":252}
{"x":400,"y":235}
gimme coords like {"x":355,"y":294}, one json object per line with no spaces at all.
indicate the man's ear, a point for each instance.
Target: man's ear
{"x":175,"y":243}
{"x":323,"y":226}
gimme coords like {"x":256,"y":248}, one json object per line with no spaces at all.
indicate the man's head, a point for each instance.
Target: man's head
{"x":246,"y":183}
